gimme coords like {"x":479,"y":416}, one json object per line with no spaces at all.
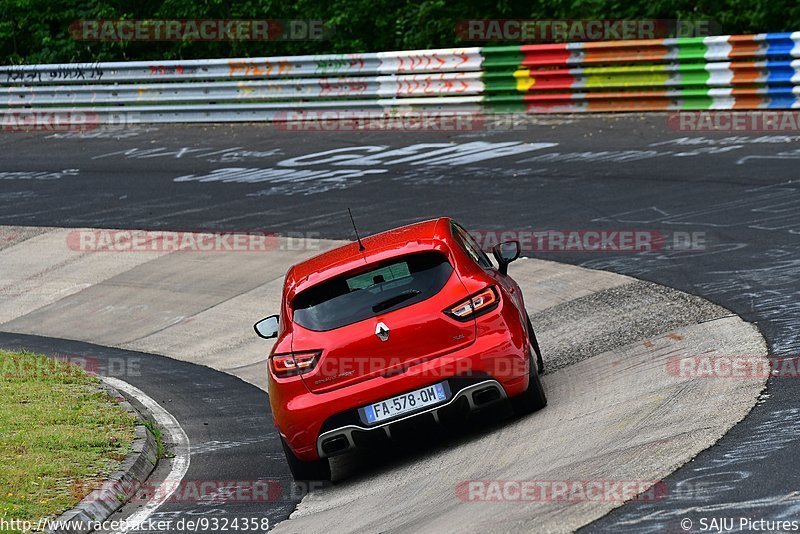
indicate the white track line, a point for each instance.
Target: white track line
{"x":180,"y":463}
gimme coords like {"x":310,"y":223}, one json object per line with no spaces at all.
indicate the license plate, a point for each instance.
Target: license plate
{"x":405,"y":403}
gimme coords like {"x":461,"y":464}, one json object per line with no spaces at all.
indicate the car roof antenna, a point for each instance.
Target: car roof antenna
{"x":360,"y":244}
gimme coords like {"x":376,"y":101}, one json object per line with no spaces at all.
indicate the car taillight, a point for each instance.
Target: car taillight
{"x":294,"y":363}
{"x":479,"y":303}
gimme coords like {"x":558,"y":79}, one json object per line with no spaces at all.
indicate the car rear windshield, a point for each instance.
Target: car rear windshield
{"x":385,"y":287}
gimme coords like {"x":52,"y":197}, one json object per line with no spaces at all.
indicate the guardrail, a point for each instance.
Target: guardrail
{"x":722,"y":72}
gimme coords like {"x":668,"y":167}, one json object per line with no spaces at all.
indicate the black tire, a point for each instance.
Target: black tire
{"x":535,"y":345}
{"x":533,"y":399}
{"x":306,"y":471}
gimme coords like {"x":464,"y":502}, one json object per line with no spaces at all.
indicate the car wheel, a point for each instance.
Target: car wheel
{"x":533,"y":399}
{"x":535,"y":345}
{"x":302,"y":470}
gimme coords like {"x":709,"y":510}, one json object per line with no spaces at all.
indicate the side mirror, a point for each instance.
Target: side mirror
{"x":505,"y":253}
{"x":267,"y":327}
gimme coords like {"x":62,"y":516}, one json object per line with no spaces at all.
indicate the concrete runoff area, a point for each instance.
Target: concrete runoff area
{"x":614,"y":413}
{"x":194,"y":306}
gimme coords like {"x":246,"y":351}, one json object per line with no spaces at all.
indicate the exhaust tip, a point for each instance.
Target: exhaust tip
{"x":335,"y":444}
{"x":485,"y":396}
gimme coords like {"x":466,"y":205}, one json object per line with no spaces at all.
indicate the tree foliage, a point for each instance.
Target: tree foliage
{"x":37,"y":31}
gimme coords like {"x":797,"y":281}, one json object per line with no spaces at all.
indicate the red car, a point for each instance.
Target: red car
{"x":379,"y":335}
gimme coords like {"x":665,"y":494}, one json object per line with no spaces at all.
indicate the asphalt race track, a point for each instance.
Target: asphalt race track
{"x":617,"y":411}
{"x":738,"y":194}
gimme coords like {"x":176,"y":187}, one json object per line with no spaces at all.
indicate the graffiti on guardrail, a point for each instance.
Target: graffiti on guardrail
{"x":161,"y":70}
{"x":258,"y":69}
{"x":53,"y":74}
{"x":340,"y":63}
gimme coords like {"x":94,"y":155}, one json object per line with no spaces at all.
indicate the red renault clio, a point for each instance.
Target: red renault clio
{"x":410,"y":324}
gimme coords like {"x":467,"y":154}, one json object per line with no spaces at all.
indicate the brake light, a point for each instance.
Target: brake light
{"x":294,"y":363}
{"x":478,"y":304}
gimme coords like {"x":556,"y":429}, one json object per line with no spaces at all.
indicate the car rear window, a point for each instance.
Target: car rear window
{"x":385,"y":287}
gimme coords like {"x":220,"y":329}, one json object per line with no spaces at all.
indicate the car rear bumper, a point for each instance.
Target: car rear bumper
{"x":316,"y":425}
{"x":344,"y":438}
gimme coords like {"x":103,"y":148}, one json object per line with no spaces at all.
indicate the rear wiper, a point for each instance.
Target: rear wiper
{"x":397,"y":299}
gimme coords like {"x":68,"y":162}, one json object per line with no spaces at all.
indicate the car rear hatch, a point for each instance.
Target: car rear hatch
{"x":379,"y":319}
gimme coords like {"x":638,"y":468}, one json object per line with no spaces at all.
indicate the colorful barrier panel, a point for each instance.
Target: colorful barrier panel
{"x":759,"y":71}
{"x":724,"y":72}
